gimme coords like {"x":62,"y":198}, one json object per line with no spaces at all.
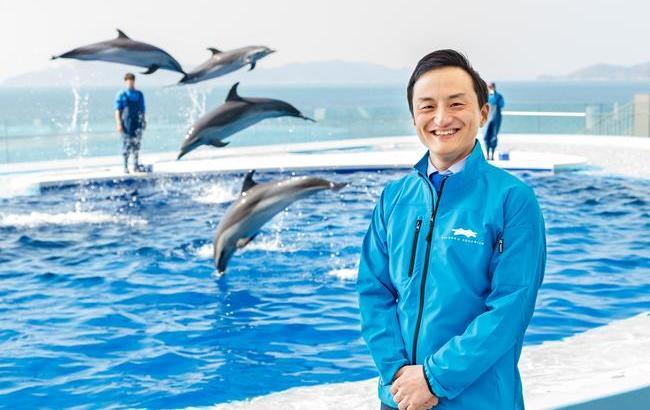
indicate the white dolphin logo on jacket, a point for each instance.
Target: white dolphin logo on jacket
{"x":468,"y":233}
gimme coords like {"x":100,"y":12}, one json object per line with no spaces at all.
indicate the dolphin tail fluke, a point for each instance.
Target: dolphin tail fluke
{"x":152,"y":69}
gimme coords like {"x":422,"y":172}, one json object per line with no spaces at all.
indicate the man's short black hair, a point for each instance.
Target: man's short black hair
{"x":129,"y":76}
{"x":447,"y":58}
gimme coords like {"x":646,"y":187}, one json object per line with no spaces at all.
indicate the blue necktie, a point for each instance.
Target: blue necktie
{"x":436,"y":179}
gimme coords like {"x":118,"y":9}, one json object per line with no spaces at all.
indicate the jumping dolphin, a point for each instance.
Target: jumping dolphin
{"x":233,"y":116}
{"x":224,"y":62}
{"x":256,"y":205}
{"x":126,"y":51}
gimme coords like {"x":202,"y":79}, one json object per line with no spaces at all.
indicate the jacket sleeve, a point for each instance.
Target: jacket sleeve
{"x":516,"y":270}
{"x":377,"y":300}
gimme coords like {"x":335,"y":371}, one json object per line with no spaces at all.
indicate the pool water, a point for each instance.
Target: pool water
{"x":108,"y":299}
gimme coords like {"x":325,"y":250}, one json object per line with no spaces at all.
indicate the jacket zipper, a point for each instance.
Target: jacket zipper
{"x":500,"y":245}
{"x":414,"y":246}
{"x":425,"y":269}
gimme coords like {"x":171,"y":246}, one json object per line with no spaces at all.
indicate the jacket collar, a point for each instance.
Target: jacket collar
{"x":473,"y":168}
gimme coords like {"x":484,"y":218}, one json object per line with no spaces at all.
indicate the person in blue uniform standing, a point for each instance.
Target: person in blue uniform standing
{"x":452,"y":260}
{"x":130,"y":121}
{"x":496,"y":103}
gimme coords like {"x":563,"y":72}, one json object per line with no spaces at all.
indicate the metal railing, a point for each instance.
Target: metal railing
{"x":619,"y":121}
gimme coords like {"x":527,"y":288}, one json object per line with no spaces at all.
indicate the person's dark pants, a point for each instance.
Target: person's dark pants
{"x":131,"y":147}
{"x":490,"y":146}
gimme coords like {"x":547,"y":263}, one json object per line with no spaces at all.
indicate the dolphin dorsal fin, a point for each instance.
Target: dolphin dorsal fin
{"x":120,"y":34}
{"x":214,"y":50}
{"x":232,"y":94}
{"x":248,"y":181}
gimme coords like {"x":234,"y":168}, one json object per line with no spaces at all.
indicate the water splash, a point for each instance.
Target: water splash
{"x":267,"y":243}
{"x":35,"y":219}
{"x":343,"y":274}
{"x":75,"y":144}
{"x":198,"y":98}
{"x":217,"y":194}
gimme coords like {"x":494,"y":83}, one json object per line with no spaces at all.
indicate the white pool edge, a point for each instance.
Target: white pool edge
{"x":603,"y":368}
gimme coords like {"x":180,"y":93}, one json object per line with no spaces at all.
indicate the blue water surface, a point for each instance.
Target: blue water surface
{"x":108,"y":299}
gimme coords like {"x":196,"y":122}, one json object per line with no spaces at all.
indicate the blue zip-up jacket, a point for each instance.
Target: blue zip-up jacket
{"x":449,"y":281}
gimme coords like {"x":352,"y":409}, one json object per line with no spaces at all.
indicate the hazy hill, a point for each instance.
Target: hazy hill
{"x":66,"y":73}
{"x":606,"y":72}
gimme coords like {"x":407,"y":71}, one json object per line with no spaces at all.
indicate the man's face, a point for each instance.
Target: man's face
{"x":446,"y":114}
{"x":130,"y":84}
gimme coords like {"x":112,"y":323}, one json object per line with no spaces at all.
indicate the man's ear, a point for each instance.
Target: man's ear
{"x":485,"y":111}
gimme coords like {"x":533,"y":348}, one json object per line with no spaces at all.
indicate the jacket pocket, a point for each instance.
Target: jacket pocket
{"x":414,"y":245}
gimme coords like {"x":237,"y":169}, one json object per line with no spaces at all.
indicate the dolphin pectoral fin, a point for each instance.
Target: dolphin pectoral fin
{"x":152,"y":69}
{"x":219,"y":143}
{"x":244,"y":241}
{"x":252,"y":66}
{"x":120,"y":34}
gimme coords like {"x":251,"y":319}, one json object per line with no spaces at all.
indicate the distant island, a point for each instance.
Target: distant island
{"x":609,"y":72}
{"x":98,"y":74}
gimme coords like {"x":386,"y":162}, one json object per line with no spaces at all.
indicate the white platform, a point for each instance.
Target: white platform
{"x":352,"y":154}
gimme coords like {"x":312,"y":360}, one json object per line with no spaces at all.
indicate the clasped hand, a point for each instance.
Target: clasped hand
{"x":410,"y":390}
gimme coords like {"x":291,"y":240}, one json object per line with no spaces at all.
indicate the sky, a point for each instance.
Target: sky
{"x":504,"y":40}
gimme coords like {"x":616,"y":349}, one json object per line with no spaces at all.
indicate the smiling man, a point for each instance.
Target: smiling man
{"x":452,"y":260}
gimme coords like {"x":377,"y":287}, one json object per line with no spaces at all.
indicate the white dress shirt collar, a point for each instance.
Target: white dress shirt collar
{"x":455,"y":168}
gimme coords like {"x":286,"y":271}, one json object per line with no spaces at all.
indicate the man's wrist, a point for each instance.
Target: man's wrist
{"x":426,"y":379}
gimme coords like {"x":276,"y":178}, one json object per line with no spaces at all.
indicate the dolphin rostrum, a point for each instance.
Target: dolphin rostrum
{"x":224,"y":62}
{"x":235,"y":114}
{"x":124,"y":50}
{"x":256,"y":205}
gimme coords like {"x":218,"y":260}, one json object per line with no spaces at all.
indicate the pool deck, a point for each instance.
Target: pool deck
{"x":352,"y":154}
{"x":603,"y":368}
